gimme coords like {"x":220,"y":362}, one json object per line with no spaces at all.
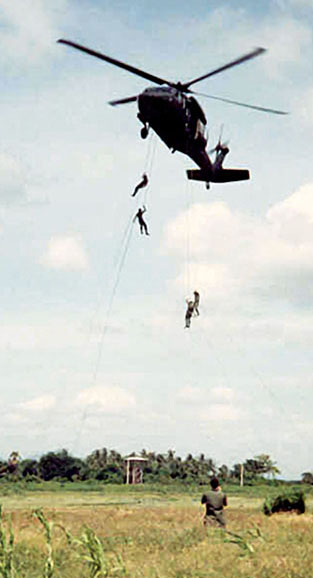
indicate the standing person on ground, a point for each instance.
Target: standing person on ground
{"x":142,"y":223}
{"x":215,"y":500}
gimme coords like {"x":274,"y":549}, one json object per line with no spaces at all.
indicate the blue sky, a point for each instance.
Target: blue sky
{"x":79,"y":373}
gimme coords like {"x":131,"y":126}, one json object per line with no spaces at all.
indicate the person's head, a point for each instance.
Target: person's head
{"x":214,"y":483}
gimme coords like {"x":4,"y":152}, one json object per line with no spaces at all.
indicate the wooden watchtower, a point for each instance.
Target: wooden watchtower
{"x":134,"y":469}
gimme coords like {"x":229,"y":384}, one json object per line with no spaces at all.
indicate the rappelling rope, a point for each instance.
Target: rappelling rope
{"x":187,"y":243}
{"x":150,"y":154}
{"x":124,"y":250}
{"x":193,"y":333}
{"x":124,"y":238}
{"x":149,"y":164}
{"x":119,"y":262}
{"x":110,"y":304}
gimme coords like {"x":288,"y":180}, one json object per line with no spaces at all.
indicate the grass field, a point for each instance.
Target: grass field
{"x":148,"y":532}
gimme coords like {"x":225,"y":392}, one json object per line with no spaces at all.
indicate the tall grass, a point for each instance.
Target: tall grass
{"x":49,"y":563}
{"x":152,"y":539}
{"x":91,"y":551}
{"x":6,"y":548}
{"x":88,"y":548}
{"x":244,"y":540}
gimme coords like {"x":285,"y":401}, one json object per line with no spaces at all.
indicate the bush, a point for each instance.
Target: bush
{"x":59,"y":465}
{"x":111,"y":474}
{"x":292,"y":501}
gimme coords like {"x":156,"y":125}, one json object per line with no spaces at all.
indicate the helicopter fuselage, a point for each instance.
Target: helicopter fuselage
{"x":178,"y":120}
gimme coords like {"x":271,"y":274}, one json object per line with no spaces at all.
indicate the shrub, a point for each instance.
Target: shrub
{"x":291,"y":501}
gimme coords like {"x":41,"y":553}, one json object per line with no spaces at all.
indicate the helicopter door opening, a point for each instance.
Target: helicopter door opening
{"x":196,"y":120}
{"x":200,"y":130}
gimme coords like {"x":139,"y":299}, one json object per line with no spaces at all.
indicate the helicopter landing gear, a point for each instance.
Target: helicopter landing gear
{"x":144,"y":131}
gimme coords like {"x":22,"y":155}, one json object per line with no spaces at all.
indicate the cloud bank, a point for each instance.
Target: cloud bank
{"x":233,"y":254}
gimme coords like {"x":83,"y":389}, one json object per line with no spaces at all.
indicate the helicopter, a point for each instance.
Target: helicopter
{"x":172,"y":111}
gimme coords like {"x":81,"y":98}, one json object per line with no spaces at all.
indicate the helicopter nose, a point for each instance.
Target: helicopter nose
{"x":153,"y":100}
{"x":147,"y":96}
{"x":146,"y":101}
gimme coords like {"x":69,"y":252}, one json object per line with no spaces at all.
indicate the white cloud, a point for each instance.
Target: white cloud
{"x":207,"y":227}
{"x":28,"y":33}
{"x":12,"y":418}
{"x":232,"y":254}
{"x":223,"y":393}
{"x":38,"y":404}
{"x":190,"y":393}
{"x":294,"y":212}
{"x":66,"y":252}
{"x":288,"y":40}
{"x":219,"y":412}
{"x":213,"y":278}
{"x":296,"y":3}
{"x":221,"y":409}
{"x":41,"y":333}
{"x":107,"y":399}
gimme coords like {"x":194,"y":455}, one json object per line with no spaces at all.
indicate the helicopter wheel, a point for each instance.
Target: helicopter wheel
{"x":144,"y":132}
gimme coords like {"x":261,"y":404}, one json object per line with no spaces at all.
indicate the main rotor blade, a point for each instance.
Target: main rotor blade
{"x":261,"y":108}
{"x":123,"y":100}
{"x":243,"y":58}
{"x":132,"y":69}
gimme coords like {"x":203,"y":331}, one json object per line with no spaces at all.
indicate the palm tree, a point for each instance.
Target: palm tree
{"x":267,"y":465}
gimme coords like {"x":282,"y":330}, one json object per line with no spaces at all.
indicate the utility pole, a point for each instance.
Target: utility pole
{"x":241,"y":474}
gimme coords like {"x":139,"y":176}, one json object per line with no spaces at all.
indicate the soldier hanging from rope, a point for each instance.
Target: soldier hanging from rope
{"x":189,"y":312}
{"x":196,"y":302}
{"x":142,"y":223}
{"x":143,"y":183}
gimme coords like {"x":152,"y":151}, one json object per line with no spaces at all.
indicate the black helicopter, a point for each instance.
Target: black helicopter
{"x":178,"y":118}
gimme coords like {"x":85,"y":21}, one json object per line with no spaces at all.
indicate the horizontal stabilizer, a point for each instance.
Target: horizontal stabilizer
{"x":199,"y":175}
{"x":229,"y":175}
{"x":221,"y":176}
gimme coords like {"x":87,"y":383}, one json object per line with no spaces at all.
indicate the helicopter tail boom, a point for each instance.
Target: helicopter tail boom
{"x":220,"y":176}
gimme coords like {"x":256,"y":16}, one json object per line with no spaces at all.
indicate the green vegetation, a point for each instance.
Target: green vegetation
{"x":108,"y":466}
{"x":149,"y":531}
{"x":291,"y":500}
{"x":49,"y":563}
{"x":6,"y":548}
{"x":65,"y":517}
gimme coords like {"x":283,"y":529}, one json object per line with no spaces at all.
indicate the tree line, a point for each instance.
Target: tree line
{"x":109,"y":466}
